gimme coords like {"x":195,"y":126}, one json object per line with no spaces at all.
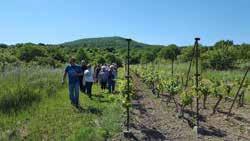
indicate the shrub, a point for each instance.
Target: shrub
{"x":29,"y":53}
{"x":82,"y":55}
{"x":220,"y":59}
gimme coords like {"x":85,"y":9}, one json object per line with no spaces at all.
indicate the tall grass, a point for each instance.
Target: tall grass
{"x":20,"y":87}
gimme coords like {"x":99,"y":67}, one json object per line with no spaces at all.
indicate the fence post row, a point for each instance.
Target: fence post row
{"x":128,"y":81}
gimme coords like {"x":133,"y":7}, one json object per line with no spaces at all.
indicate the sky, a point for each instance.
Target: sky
{"x":150,"y":21}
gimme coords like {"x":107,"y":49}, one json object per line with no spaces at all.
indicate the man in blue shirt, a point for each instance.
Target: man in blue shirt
{"x":74,"y":72}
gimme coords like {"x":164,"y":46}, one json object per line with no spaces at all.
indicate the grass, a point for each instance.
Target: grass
{"x":54,"y":118}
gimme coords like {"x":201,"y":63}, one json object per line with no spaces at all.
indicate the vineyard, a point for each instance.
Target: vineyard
{"x":216,"y":95}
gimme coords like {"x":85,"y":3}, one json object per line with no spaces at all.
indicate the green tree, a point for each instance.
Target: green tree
{"x":147,"y":57}
{"x":101,"y":60}
{"x":170,"y":53}
{"x":29,"y":52}
{"x":220,"y":59}
{"x":186,"y":54}
{"x":82,"y":55}
{"x":3,"y":46}
{"x":224,"y":44}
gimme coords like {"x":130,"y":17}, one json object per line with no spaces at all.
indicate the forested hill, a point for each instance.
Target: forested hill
{"x":104,"y":42}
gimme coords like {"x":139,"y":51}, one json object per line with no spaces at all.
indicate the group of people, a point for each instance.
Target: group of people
{"x":81,"y":77}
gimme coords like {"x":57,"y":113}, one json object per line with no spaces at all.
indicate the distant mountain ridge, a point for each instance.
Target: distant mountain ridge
{"x":104,"y":42}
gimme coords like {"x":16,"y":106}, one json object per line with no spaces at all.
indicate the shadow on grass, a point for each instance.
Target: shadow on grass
{"x":98,"y":96}
{"x":90,"y":109}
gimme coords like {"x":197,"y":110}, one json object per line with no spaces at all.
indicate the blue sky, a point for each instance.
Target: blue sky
{"x":150,"y":21}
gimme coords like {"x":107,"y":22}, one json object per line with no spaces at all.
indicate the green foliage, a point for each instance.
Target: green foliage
{"x":28,"y":53}
{"x":43,"y":61}
{"x":82,"y":55}
{"x":173,"y":86}
{"x":186,"y":97}
{"x":91,"y":134}
{"x":101,"y":60}
{"x":170,"y":52}
{"x":186,"y":54}
{"x":7,"y":57}
{"x":104,"y":42}
{"x":3,"y":46}
{"x":111,"y":58}
{"x":20,"y":87}
{"x":36,"y":102}
{"x":224,"y":44}
{"x":223,"y":55}
{"x":205,"y":86}
{"x":147,"y":57}
{"x":220,"y":59}
{"x":13,"y":100}
{"x":57,"y":54}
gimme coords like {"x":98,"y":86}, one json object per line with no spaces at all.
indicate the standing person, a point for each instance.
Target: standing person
{"x":74,"y":72}
{"x":82,"y":80}
{"x":89,"y":79}
{"x":111,"y":79}
{"x":97,"y":70}
{"x":103,"y":78}
{"x":115,"y":70}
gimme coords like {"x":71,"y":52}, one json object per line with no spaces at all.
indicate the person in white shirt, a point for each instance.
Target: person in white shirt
{"x":89,"y":79}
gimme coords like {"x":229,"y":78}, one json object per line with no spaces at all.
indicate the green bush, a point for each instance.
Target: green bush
{"x":43,"y":61}
{"x":220,"y":59}
{"x":29,"y":53}
{"x":82,"y":55}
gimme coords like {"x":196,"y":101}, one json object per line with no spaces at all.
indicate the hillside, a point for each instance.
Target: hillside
{"x":103,"y":42}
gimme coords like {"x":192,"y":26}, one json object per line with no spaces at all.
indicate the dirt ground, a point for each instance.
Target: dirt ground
{"x":155,"y":120}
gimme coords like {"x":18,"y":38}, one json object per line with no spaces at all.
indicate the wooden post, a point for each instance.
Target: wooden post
{"x":238,"y":92}
{"x":128,"y":81}
{"x":189,"y":68}
{"x":197,"y":79}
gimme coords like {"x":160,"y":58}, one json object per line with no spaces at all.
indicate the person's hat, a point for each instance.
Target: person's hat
{"x":83,"y":62}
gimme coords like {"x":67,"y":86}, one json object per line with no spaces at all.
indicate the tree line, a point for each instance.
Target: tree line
{"x":222,"y":55}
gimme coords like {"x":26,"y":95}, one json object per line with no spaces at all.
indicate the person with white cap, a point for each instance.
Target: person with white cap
{"x":89,"y":79}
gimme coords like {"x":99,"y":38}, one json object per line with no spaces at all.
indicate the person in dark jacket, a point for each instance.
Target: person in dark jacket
{"x":82,"y":82}
{"x":111,"y":79}
{"x":103,"y":78}
{"x":97,"y":70}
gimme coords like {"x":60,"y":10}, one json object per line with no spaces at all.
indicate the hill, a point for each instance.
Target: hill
{"x":103,"y":42}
